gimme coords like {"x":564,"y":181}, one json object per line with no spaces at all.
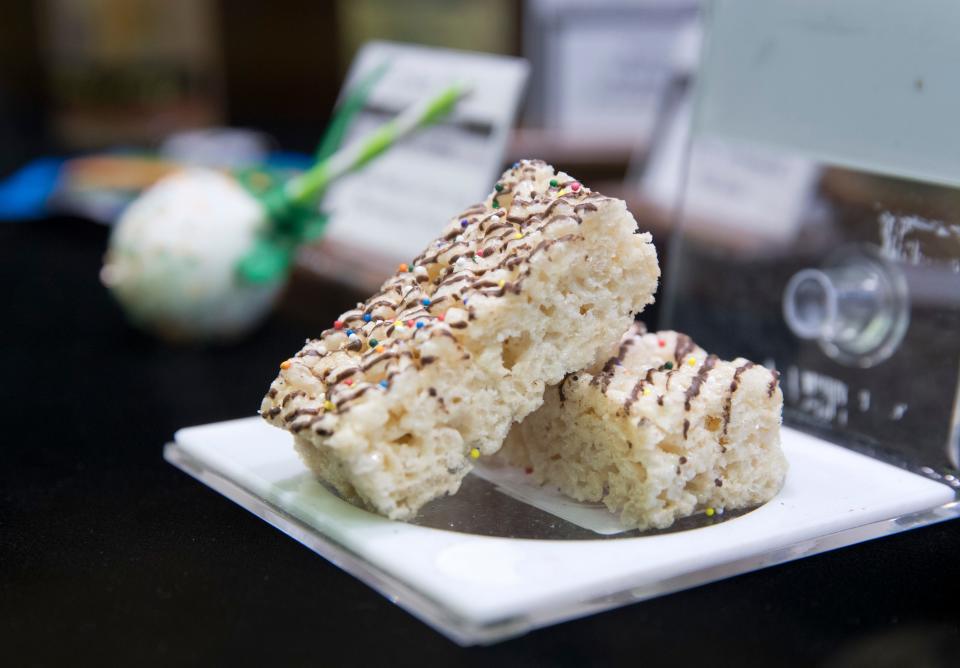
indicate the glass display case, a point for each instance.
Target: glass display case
{"x":820,"y":222}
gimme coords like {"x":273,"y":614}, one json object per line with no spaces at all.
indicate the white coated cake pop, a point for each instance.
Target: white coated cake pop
{"x":172,"y":258}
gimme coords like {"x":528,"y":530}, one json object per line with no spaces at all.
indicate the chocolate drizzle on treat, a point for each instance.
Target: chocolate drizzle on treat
{"x":606,"y":375}
{"x":685,"y":346}
{"x":485,"y":252}
{"x":625,"y":348}
{"x":610,"y":366}
{"x":773,"y":382}
{"x":638,"y":388}
{"x":343,"y":374}
{"x":698,"y":381}
{"x":734,"y":384}
{"x":292,"y":395}
{"x":670,"y":373}
{"x":300,"y":411}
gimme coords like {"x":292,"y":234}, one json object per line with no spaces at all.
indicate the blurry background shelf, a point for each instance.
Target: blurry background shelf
{"x":592,"y":157}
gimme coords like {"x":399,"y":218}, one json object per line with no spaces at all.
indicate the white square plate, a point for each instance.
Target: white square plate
{"x":478,"y":588}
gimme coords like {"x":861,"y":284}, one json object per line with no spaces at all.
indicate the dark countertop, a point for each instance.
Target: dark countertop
{"x":110,"y":556}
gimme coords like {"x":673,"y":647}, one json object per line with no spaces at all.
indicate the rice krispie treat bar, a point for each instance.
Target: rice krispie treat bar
{"x":660,"y":431}
{"x":394,"y":403}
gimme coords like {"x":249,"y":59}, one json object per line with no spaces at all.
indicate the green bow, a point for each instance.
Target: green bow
{"x":292,"y":222}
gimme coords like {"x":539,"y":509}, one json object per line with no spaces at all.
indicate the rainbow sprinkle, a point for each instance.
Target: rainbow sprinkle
{"x":474,"y":453}
{"x":338,"y":324}
{"x":367,"y":317}
{"x":553,"y":183}
{"x":425,"y":301}
{"x":328,"y":405}
{"x":464,"y":222}
{"x":285,"y":364}
{"x":692,"y":361}
{"x":403,"y":267}
{"x":384,"y":384}
{"x":710,"y":512}
{"x":420,"y":324}
{"x":373,"y":343}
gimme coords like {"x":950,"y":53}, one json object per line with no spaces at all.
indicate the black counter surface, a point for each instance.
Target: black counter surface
{"x":110,"y":556}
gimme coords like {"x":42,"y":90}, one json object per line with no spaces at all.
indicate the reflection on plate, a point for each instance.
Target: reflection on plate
{"x":495,"y":501}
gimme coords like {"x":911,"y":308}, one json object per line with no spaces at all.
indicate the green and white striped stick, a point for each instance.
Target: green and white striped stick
{"x":309,"y":185}
{"x":293,"y":206}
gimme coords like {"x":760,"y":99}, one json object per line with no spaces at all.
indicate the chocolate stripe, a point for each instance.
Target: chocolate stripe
{"x":734,"y":384}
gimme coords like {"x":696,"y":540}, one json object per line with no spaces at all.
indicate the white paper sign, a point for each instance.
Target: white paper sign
{"x":399,"y":202}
